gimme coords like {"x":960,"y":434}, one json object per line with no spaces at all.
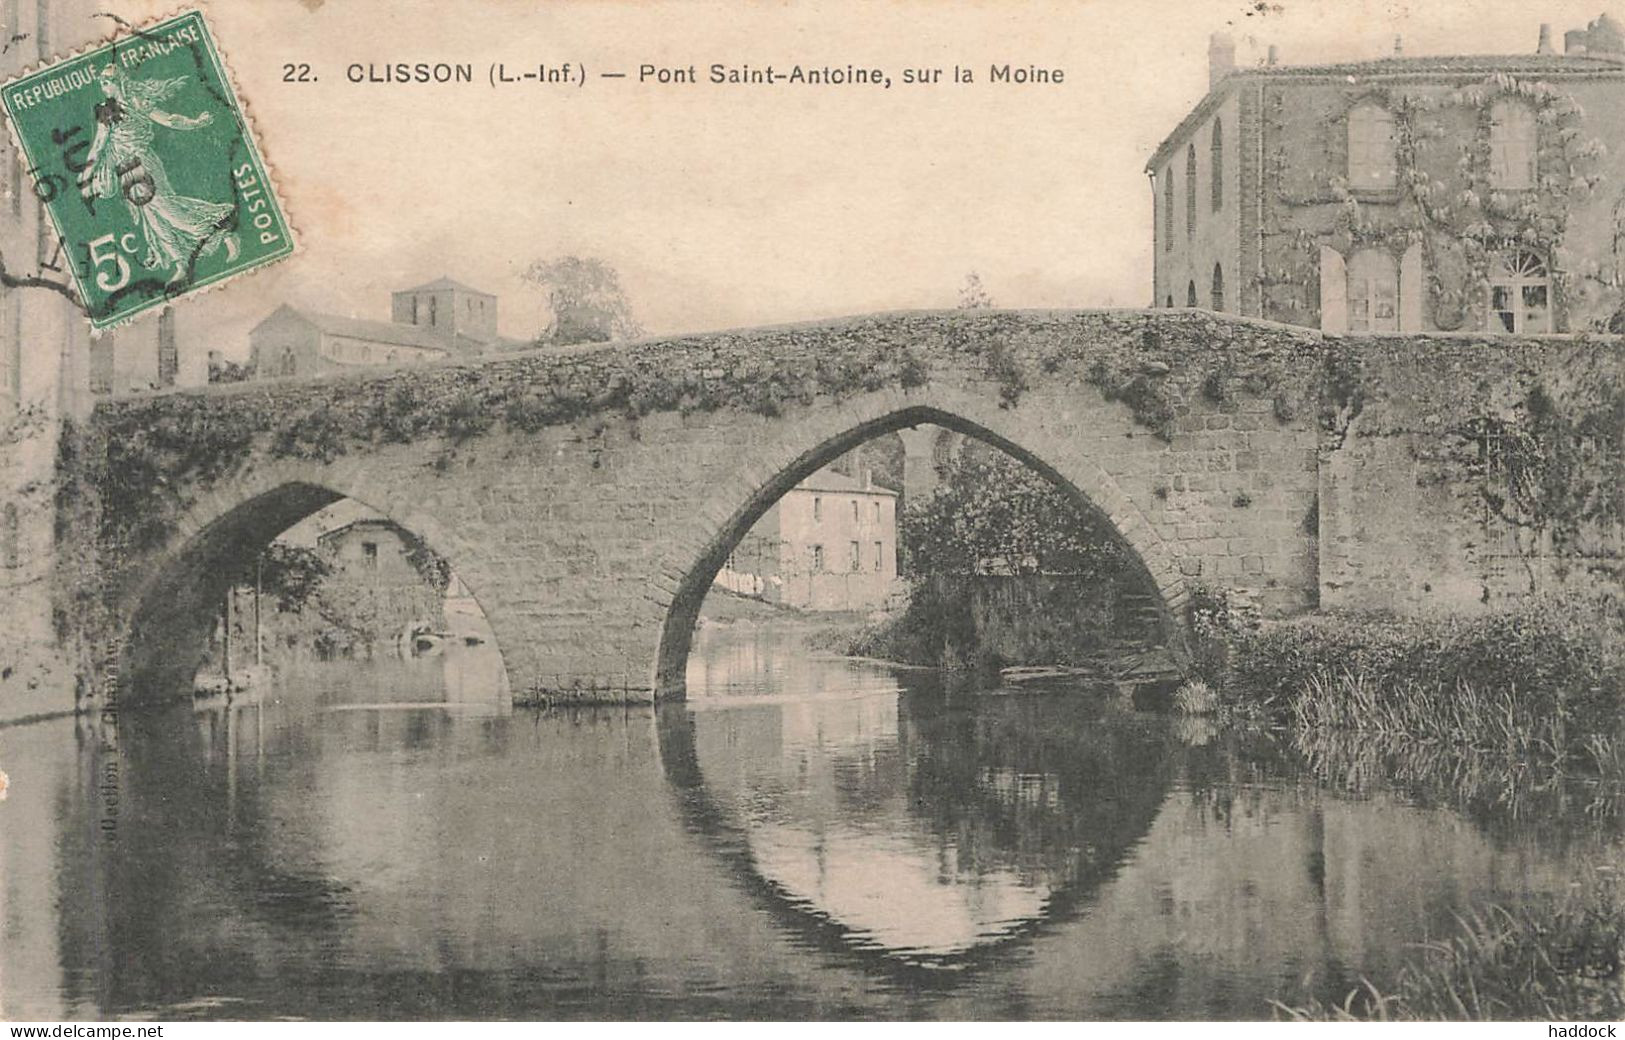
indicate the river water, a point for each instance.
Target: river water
{"x":807,"y":837}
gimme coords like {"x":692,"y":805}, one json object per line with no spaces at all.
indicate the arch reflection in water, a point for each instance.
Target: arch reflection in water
{"x":883,"y":818}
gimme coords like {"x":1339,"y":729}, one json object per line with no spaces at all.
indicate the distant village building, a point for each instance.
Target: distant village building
{"x":1403,"y":194}
{"x":829,"y":544}
{"x":375,"y":583}
{"x":440,"y":319}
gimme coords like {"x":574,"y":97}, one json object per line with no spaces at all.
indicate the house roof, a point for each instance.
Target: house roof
{"x":829,"y":480}
{"x":1446,"y":65}
{"x":376,"y":523}
{"x":443,"y":283}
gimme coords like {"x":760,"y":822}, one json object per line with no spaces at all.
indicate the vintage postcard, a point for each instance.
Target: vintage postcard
{"x":825,"y":510}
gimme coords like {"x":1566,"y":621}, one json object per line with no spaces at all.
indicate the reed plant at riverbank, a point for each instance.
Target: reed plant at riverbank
{"x":1520,"y":724}
{"x":1517,"y":788}
{"x":1547,"y":674}
{"x":1555,"y":960}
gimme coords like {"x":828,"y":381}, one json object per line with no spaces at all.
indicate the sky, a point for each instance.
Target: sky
{"x":751,"y":205}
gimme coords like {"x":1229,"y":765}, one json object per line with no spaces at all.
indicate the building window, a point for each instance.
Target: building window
{"x":1216,"y":164}
{"x":1190,"y":294}
{"x":369,"y":553}
{"x":1170,"y":303}
{"x":1371,"y":148}
{"x":877,"y":512}
{"x":818,"y":509}
{"x":1373,"y":298}
{"x":854,"y":510}
{"x":856,"y":551}
{"x":815,"y":562}
{"x":1512,"y":146}
{"x":1168,"y":209}
{"x":1190,"y":190}
{"x":1520,"y":294}
{"x":414,"y":310}
{"x":1218,"y":288}
{"x":433,"y":317}
{"x":880,"y":556}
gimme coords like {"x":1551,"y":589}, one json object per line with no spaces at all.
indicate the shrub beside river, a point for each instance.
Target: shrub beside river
{"x":1542,"y":680}
{"x":1519,"y":712}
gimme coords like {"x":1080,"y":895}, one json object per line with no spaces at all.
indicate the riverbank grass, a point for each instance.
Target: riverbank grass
{"x":1554,"y":961}
{"x":1543,"y":677}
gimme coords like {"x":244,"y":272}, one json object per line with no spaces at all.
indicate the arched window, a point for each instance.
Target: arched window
{"x":1170,"y":300}
{"x":1190,"y":294}
{"x":1216,"y":164}
{"x":1168,"y":209}
{"x":1512,"y":146}
{"x":1218,"y":288}
{"x":1520,"y":294}
{"x":1373,"y":297}
{"x":1371,"y":147}
{"x":1190,"y":190}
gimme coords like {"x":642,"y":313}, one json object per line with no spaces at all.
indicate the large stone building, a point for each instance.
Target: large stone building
{"x":1404,"y":193}
{"x":829,"y":544}
{"x":440,"y":319}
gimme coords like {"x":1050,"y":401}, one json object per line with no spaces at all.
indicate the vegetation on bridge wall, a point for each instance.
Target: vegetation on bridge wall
{"x":144,"y":457}
{"x":133,"y":470}
{"x":1528,"y":435}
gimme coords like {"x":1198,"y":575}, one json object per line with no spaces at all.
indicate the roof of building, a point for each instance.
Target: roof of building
{"x":390,"y":332}
{"x":829,"y":480}
{"x":360,"y":328}
{"x":443,"y":283}
{"x":1453,"y":65}
{"x":375,"y":523}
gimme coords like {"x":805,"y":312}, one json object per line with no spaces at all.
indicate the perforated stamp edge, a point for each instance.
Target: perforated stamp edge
{"x":251,"y":131}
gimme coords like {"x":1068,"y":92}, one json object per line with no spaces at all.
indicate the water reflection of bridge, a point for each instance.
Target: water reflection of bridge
{"x":423,"y":863}
{"x":912,"y":834}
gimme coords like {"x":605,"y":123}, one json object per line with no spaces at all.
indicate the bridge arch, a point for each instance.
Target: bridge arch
{"x":170,"y":601}
{"x":1080,"y":478}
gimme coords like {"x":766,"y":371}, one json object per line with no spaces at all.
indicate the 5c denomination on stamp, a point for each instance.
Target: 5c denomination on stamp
{"x":140,"y":151}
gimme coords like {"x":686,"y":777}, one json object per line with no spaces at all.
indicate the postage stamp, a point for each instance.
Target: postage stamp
{"x":140,"y":151}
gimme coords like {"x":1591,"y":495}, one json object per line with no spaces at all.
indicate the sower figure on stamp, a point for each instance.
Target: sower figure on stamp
{"x":123,"y":164}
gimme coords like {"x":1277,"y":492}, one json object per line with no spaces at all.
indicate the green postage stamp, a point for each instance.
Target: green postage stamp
{"x":142,"y":156}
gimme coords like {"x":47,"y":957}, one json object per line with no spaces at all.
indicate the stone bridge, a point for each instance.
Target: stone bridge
{"x":588,"y":497}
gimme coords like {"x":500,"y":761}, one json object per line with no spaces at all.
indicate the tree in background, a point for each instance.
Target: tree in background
{"x":292,"y":574}
{"x":1006,"y":568}
{"x":973,"y":296}
{"x":587,"y":301}
{"x":882,"y":458}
